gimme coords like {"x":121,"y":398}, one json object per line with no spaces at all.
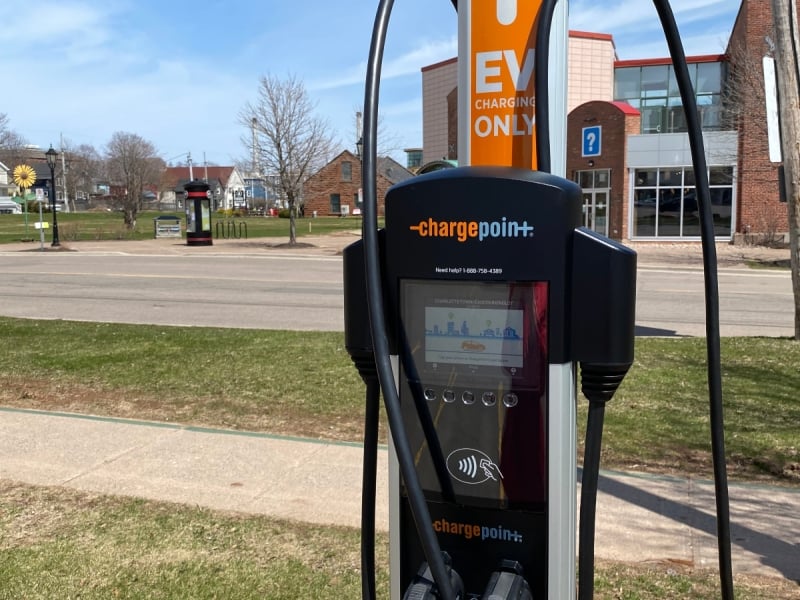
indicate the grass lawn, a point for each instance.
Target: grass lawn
{"x":103,"y":225}
{"x":303,"y":383}
{"x":60,"y":543}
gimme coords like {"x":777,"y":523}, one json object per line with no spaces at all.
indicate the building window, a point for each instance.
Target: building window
{"x":336,"y":203}
{"x":347,"y":171}
{"x":413,"y":158}
{"x":653,"y":89}
{"x":595,"y":186}
{"x":665,"y":202}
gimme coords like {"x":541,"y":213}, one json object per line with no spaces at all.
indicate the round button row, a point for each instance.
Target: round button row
{"x":510,"y":399}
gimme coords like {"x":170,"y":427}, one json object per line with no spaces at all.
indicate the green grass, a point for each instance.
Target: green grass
{"x":62,"y":543}
{"x":299,"y":383}
{"x":65,"y":544}
{"x":109,"y":226}
{"x":659,"y":418}
{"x":303,"y":383}
{"x":68,"y":544}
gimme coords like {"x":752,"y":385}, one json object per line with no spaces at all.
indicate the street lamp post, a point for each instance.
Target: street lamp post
{"x":51,"y":162}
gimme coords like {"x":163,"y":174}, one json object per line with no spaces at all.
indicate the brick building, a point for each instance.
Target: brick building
{"x":638,"y":181}
{"x":602,"y":176}
{"x":760,"y":210}
{"x":335,"y":190}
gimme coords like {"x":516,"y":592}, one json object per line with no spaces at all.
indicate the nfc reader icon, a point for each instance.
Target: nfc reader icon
{"x":472,"y":467}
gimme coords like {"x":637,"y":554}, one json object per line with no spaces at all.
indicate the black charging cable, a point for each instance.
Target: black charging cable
{"x":597,"y":406}
{"x":711,"y":294}
{"x":368,"y":487}
{"x":405,"y":458}
{"x":598,"y":384}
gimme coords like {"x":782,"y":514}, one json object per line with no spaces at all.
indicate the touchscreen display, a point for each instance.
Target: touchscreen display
{"x":474,"y":365}
{"x":474,"y":336}
{"x":486,"y":329}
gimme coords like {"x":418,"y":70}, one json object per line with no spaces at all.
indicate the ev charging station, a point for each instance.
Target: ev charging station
{"x":492,"y":292}
{"x":482,"y":268}
{"x":483,"y":293}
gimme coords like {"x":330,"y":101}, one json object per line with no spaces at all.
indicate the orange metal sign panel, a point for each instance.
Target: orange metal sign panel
{"x":502,"y":125}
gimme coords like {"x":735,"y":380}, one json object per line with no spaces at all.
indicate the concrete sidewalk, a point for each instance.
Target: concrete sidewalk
{"x":639,"y":518}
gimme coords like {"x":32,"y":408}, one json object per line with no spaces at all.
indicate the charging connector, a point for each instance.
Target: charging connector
{"x":507,"y":583}
{"x":423,"y":587}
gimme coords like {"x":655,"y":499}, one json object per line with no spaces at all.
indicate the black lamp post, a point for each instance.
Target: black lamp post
{"x":51,"y":162}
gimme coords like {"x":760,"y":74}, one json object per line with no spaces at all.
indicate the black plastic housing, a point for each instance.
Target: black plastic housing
{"x":603,"y":300}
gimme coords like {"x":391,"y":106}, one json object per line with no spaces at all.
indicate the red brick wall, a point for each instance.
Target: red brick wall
{"x":617,"y":125}
{"x":758,"y":207}
{"x":328,"y":180}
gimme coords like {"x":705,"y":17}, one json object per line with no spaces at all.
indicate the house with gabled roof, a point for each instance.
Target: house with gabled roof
{"x":336,"y":188}
{"x":226,"y":186}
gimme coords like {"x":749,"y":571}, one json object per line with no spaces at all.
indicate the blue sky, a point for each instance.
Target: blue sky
{"x":178,"y":73}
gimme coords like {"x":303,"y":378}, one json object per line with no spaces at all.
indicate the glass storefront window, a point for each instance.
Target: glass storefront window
{"x":653,"y":115}
{"x":665,"y":202}
{"x":644,"y":210}
{"x":593,"y":179}
{"x":646,"y":177}
{"x":669,"y":212}
{"x":720,"y":176}
{"x":670,"y":177}
{"x":709,"y":78}
{"x":721,"y":201}
{"x":653,"y":89}
{"x":655,"y":81}
{"x":626,"y":83}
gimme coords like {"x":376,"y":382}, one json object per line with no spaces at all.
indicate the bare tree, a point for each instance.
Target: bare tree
{"x":291,"y":143}
{"x":84,"y":167}
{"x":11,"y":143}
{"x":132,"y":165}
{"x":784,"y":18}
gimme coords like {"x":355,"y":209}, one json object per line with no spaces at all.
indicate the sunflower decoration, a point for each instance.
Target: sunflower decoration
{"x":24,"y":176}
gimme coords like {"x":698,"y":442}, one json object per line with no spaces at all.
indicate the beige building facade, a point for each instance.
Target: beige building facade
{"x":590,"y":60}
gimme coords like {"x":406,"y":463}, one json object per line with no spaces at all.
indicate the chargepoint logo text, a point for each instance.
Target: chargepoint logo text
{"x":479,"y":532}
{"x":470,"y":230}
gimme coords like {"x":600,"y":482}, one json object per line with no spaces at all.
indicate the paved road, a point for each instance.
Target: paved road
{"x":304,"y":291}
{"x":253,"y":291}
{"x":670,"y":301}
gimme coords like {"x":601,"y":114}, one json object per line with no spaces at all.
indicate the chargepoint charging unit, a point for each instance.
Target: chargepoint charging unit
{"x":493,"y":292}
{"x":470,"y":310}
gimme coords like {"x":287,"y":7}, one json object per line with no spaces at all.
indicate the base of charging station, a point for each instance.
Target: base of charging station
{"x":478,"y":541}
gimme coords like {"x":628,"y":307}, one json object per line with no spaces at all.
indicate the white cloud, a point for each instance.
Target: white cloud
{"x":636,"y":15}
{"x":408,"y":63}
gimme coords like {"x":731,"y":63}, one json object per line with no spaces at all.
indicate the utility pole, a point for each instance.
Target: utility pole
{"x":784,"y":18}
{"x":254,"y":124}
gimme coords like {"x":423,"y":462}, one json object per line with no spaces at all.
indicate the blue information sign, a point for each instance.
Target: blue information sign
{"x":592,"y":138}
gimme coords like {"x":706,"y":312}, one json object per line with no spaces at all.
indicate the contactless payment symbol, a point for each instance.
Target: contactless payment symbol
{"x":472,"y":467}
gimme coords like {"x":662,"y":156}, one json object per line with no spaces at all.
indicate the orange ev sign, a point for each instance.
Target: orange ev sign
{"x":502,"y":41}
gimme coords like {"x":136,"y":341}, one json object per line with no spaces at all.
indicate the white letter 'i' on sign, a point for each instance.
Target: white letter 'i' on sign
{"x":506,"y":11}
